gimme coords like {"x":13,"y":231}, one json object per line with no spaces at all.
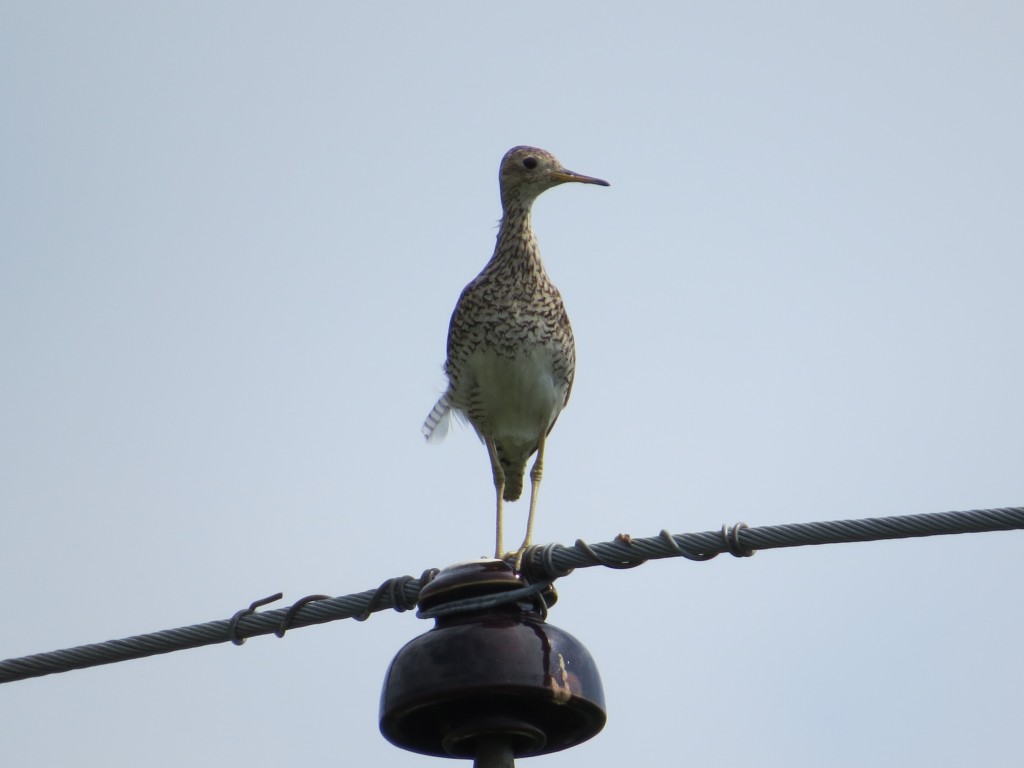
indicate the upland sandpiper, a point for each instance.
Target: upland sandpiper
{"x":511,"y":355}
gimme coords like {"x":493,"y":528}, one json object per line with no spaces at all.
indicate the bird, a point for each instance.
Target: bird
{"x":511,"y":356}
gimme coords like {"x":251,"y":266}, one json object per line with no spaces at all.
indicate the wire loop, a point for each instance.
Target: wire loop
{"x":538,"y":563}
{"x":731,"y":536}
{"x":233,"y":624}
{"x":393,"y":593}
{"x":670,"y":540}
{"x":607,"y":562}
{"x":289,"y":617}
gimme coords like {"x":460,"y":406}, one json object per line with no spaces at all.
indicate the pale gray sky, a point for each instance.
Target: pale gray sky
{"x":231,"y":236}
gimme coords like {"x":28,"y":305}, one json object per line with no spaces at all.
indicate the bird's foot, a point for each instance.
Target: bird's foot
{"x":514,"y":557}
{"x":518,"y":555}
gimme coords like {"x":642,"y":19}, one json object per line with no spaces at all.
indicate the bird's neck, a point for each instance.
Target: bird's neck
{"x":516,"y":249}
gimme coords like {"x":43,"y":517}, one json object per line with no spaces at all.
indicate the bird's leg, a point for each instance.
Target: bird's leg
{"x":499,"y":490}
{"x":535,"y":474}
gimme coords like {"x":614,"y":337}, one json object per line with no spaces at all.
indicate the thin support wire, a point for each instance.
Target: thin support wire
{"x":541,"y":563}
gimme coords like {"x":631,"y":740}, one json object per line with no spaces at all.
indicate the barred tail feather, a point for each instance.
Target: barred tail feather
{"x":436,"y":425}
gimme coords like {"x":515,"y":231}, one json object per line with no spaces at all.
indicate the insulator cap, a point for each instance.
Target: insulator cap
{"x":497,"y":673}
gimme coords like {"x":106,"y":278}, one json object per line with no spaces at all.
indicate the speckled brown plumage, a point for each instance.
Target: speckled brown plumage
{"x":511,"y":355}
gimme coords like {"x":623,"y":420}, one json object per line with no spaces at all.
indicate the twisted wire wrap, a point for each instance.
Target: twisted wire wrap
{"x":741,"y":540}
{"x":540,"y":563}
{"x":213,"y":632}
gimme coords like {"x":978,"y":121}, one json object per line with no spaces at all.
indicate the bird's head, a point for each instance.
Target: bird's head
{"x":527,"y":171}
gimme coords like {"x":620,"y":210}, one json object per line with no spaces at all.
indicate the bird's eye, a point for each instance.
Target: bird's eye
{"x":530,"y":162}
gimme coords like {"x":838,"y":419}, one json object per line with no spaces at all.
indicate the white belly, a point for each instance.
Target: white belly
{"x":511,"y":400}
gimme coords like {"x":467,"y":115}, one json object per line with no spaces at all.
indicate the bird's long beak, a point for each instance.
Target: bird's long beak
{"x":564,"y":175}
